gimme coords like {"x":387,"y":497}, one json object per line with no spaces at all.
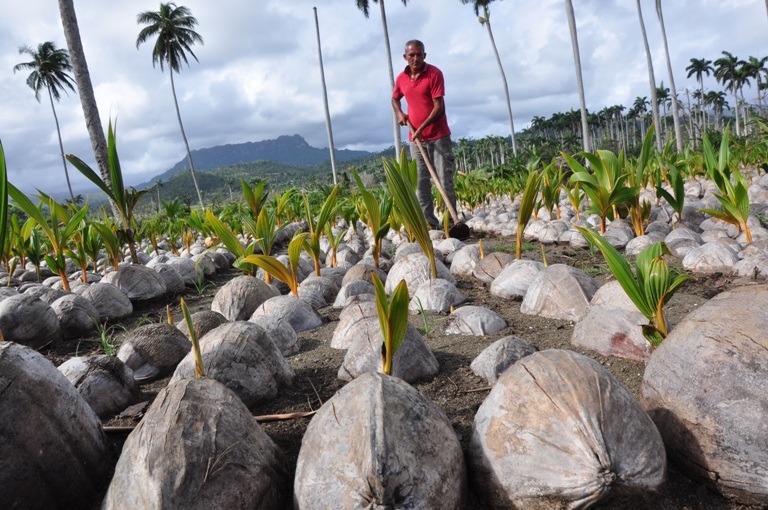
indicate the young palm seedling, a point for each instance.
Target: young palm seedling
{"x":651,"y":287}
{"x":575,"y":196}
{"x":733,"y":196}
{"x":288,"y":275}
{"x":255,"y":196}
{"x":527,"y":203}
{"x":676,"y":199}
{"x":265,"y":231}
{"x":16,"y":241}
{"x":282,"y":205}
{"x":638,"y":176}
{"x":232,"y":243}
{"x":59,"y":228}
{"x":106,"y":231}
{"x":376,"y":214}
{"x":605,"y":185}
{"x":551,"y":184}
{"x":393,"y":319}
{"x":401,"y":187}
{"x":334,"y":241}
{"x":316,"y":227}
{"x":125,"y":200}
{"x":199,"y":370}
{"x":78,"y":253}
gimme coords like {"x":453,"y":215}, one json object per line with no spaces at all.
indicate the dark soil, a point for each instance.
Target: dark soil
{"x":455,"y":389}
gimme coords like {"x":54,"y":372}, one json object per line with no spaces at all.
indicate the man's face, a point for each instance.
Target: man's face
{"x":414,"y":56}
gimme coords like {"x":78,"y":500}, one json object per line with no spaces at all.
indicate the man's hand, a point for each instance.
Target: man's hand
{"x":402,"y":119}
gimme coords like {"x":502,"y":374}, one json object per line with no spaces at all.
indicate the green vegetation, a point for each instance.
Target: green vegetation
{"x":199,"y":370}
{"x":651,"y":287}
{"x":288,"y":275}
{"x":733,"y":195}
{"x":376,"y":214}
{"x":107,"y":338}
{"x":401,"y":186}
{"x":124,"y":200}
{"x":527,"y":204}
{"x":393,"y":319}
{"x":603,"y":182}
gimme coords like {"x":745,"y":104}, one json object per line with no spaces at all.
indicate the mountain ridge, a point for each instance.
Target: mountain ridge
{"x":287,"y":149}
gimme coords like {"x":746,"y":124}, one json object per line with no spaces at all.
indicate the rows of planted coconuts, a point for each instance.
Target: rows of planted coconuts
{"x":556,"y":430}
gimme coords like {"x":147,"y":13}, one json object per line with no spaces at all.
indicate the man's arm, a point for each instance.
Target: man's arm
{"x":402,"y":118}
{"x":438,"y":109}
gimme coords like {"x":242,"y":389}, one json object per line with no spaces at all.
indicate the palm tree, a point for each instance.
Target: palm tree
{"x":651,"y":80}
{"x":675,"y":103}
{"x":85,"y":90}
{"x":364,"y":5}
{"x":585,"y":141}
{"x":640,"y":106}
{"x":485,"y":19}
{"x":174,"y":28}
{"x":743,"y":75}
{"x":718,"y":102}
{"x":699,"y":67}
{"x":726,"y":68}
{"x":754,"y":68}
{"x":49,"y":66}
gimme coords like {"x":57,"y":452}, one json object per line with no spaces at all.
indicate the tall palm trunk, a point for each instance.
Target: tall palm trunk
{"x":395,"y":123}
{"x":745,"y":112}
{"x":735,"y":92}
{"x":673,"y":91}
{"x":85,"y":89}
{"x":186,"y":143}
{"x":703,"y":115}
{"x":504,"y":81}
{"x":61,"y":146}
{"x":690,"y":118}
{"x":651,"y":80}
{"x":325,"y":99}
{"x":579,"y":82}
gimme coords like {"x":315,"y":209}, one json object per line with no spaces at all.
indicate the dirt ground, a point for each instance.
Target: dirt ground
{"x":455,"y":389}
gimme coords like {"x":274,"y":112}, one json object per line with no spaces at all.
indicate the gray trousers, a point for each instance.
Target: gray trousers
{"x":440,"y":152}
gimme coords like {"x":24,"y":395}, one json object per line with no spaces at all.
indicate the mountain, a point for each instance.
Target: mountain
{"x":289,"y":150}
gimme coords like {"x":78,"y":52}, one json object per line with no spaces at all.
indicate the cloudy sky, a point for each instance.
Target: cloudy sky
{"x":258,"y":75}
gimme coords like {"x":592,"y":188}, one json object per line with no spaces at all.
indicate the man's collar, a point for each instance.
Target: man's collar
{"x":407,"y":69}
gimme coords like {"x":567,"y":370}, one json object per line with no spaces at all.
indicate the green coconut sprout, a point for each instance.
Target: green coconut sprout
{"x":527,"y":204}
{"x":733,"y":195}
{"x":288,"y":275}
{"x":376,"y":214}
{"x":393,"y":319}
{"x":407,"y":205}
{"x":199,"y":370}
{"x":650,"y":288}
{"x":317,"y":225}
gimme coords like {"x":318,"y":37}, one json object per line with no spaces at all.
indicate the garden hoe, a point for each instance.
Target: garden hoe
{"x":459,"y":230}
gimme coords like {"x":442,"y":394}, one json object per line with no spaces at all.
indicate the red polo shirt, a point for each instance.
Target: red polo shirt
{"x":419,"y":94}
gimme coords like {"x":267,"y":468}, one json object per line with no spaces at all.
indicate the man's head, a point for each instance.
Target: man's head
{"x":414,"y":55}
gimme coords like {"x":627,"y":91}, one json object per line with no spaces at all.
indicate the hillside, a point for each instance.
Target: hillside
{"x":287,"y":161}
{"x":289,"y":150}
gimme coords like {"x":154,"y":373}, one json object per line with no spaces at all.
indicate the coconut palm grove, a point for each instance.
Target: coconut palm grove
{"x":281,"y":336}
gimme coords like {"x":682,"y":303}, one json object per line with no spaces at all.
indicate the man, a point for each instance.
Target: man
{"x":423,"y":87}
